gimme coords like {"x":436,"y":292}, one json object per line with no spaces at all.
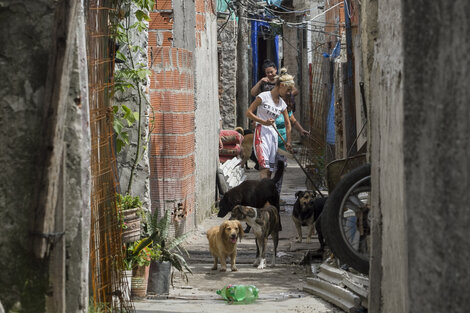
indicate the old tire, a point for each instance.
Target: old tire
{"x":348,"y":204}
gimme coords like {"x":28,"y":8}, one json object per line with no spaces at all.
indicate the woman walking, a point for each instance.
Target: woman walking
{"x":268,"y":106}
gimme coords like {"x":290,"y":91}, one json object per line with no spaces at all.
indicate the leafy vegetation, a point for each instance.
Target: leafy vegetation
{"x":160,"y":239}
{"x":130,"y":16}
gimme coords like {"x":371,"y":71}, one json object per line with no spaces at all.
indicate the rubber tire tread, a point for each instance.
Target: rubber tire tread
{"x":330,"y":226}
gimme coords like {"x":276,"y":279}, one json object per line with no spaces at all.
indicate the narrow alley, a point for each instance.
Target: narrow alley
{"x":120,"y":121}
{"x":280,"y":288}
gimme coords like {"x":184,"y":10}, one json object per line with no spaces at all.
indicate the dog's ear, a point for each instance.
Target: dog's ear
{"x":247,"y":211}
{"x":240,"y":231}
{"x":236,"y":212}
{"x":299,"y":194}
{"x":222,"y":230}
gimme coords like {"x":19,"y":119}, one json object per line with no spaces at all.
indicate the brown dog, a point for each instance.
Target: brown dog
{"x":247,"y":146}
{"x":223,"y":243}
{"x":265,"y":222}
{"x":306,"y":212}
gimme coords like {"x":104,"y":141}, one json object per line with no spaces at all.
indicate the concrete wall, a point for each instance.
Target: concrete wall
{"x":420,"y":125}
{"x":387,"y":156}
{"x":435,"y":149}
{"x":207,"y":106}
{"x":28,"y":41}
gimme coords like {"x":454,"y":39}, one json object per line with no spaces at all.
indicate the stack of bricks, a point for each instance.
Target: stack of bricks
{"x":200,"y":20}
{"x":172,"y":143}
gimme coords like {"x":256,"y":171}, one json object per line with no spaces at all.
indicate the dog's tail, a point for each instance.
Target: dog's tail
{"x":279,"y":171}
{"x":240,"y":130}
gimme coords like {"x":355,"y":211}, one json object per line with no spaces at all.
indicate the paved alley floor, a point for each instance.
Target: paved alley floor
{"x":280,"y":287}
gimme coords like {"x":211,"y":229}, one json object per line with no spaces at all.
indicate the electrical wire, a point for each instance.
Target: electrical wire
{"x":316,"y":16}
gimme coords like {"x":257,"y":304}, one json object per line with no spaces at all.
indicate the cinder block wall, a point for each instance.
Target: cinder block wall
{"x":172,"y":143}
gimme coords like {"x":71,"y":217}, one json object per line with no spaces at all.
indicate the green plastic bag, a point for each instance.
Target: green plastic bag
{"x":239,"y":294}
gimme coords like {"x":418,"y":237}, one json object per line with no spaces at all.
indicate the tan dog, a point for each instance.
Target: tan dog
{"x":247,"y":146}
{"x":223,"y":243}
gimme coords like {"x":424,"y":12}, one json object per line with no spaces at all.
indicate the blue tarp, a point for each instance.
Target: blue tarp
{"x":330,"y":121}
{"x":337,"y":50}
{"x":275,"y":2}
{"x":255,"y":26}
{"x":222,"y":6}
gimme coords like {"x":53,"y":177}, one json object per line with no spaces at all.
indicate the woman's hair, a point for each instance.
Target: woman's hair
{"x":284,"y":78}
{"x":268,"y":63}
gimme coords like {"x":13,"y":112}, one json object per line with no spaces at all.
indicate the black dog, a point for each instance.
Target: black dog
{"x":307,"y":212}
{"x":254,"y":193}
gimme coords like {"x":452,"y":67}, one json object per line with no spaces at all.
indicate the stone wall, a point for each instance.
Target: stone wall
{"x":227,"y":74}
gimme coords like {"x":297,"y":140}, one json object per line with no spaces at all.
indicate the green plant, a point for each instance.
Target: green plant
{"x":127,"y":202}
{"x":130,"y":16}
{"x":98,"y":307}
{"x":141,"y":254}
{"x":159,"y":238}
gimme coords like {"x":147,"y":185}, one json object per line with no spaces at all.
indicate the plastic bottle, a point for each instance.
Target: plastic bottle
{"x":239,"y":294}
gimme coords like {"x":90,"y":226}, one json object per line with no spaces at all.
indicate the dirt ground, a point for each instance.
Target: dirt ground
{"x":280,"y":287}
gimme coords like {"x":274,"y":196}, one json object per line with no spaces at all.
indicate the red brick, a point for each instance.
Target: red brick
{"x":174,"y":57}
{"x":167,"y":39}
{"x":174,"y":145}
{"x":162,"y":188}
{"x":172,"y":79}
{"x":181,"y":53}
{"x":199,"y":5}
{"x":172,"y":101}
{"x":159,"y":21}
{"x":183,"y":166}
{"x":163,"y":5}
{"x":170,"y":123}
{"x":152,"y":39}
{"x":200,"y":22}
{"x":198,"y":39}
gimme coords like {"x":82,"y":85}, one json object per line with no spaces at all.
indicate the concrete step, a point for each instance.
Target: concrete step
{"x":331,"y":274}
{"x":341,"y":297}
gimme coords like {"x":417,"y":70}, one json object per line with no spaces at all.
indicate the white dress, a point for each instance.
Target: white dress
{"x":265,"y":138}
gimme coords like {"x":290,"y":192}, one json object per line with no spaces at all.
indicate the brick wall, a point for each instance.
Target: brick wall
{"x":183,"y":94}
{"x":172,"y":139}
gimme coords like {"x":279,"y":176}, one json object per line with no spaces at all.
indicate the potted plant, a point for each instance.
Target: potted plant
{"x":171,"y":254}
{"x":138,"y":258}
{"x":130,"y":211}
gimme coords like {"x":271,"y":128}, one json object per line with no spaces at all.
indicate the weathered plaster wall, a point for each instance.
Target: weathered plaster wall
{"x":227,"y":74}
{"x":207,"y":107}
{"x":22,"y":109}
{"x":24,"y":54}
{"x":388,"y":182}
{"x":420,"y":147}
{"x":436,"y":147}
{"x":77,"y":216}
{"x":369,"y":28}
